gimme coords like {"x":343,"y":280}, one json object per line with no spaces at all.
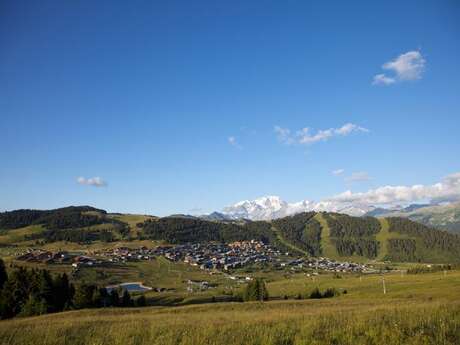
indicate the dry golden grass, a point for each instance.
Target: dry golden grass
{"x":418,"y":309}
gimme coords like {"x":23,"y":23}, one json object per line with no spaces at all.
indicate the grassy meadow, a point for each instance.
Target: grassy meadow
{"x":417,"y":309}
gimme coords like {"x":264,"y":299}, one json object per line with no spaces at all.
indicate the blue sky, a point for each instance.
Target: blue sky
{"x":146,"y":94}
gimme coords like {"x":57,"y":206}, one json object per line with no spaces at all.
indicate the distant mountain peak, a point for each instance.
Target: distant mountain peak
{"x":443,"y":216}
{"x":272,"y":207}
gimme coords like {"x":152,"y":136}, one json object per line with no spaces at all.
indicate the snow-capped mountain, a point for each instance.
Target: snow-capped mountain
{"x":272,"y":207}
{"x":445,"y":216}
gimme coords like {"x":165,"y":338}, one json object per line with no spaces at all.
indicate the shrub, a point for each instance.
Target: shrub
{"x":141,"y":301}
{"x":316,"y":294}
{"x":330,"y":292}
{"x":256,"y":291}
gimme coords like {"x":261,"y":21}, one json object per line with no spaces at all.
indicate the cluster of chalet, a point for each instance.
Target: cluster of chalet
{"x":326,"y":264}
{"x":123,"y":254}
{"x":61,"y":257}
{"x":222,"y":256}
{"x":197,"y":285}
{"x":207,"y":256}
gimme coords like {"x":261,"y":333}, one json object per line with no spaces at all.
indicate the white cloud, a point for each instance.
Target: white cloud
{"x":356,"y":204}
{"x":382,"y":79}
{"x":232,"y":141}
{"x":349,"y":128}
{"x":338,"y":172}
{"x":284,"y":135}
{"x":359,"y":176}
{"x":407,"y":66}
{"x":306,"y":136}
{"x":448,"y":189}
{"x":92,"y":181}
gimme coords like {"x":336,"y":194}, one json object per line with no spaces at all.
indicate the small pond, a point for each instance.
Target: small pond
{"x":130,"y":287}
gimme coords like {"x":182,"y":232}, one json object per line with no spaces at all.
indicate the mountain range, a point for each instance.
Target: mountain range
{"x":272,"y":207}
{"x":328,"y":234}
{"x":442,"y":216}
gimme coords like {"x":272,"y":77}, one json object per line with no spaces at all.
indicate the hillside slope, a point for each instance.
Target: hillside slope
{"x":344,"y":237}
{"x":334,"y":235}
{"x":444,"y":217}
{"x":73,"y":224}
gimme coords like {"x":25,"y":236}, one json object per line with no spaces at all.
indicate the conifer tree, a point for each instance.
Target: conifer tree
{"x":256,"y":291}
{"x":114,"y":298}
{"x":126,"y":299}
{"x":3,"y":274}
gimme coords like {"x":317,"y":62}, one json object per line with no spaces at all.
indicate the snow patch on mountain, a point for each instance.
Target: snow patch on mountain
{"x":272,"y":207}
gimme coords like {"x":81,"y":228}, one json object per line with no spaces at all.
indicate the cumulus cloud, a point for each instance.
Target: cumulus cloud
{"x":448,"y":189}
{"x":382,"y":79}
{"x":284,"y":135}
{"x":407,"y":66}
{"x":359,"y":176}
{"x":307,"y":136}
{"x":338,"y":172}
{"x":232,"y":141}
{"x":92,"y":181}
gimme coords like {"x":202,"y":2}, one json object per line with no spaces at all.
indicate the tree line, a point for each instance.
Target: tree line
{"x":357,"y":246}
{"x":402,"y":249}
{"x":341,"y":225}
{"x":27,"y":292}
{"x":303,"y":230}
{"x":354,"y":235}
{"x":61,"y":218}
{"x":82,"y":235}
{"x":256,"y":290}
{"x":431,"y":238}
{"x":179,"y":230}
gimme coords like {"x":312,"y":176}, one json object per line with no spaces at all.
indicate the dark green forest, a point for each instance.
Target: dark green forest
{"x":71,"y":224}
{"x":402,"y":249}
{"x":424,"y":242}
{"x":184,"y":230}
{"x":343,"y":226}
{"x":62,"y":218}
{"x":353,"y":235}
{"x":302,"y":230}
{"x":26,"y":292}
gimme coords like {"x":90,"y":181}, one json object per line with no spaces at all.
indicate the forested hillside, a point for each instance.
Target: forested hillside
{"x":325,"y":234}
{"x":73,"y":224}
{"x":62,"y":218}
{"x":302,"y":230}
{"x":422,"y":243}
{"x":353,"y":235}
{"x":404,"y":241}
{"x":183,"y":230}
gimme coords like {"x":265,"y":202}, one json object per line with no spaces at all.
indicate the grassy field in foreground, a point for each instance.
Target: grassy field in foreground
{"x":417,"y":309}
